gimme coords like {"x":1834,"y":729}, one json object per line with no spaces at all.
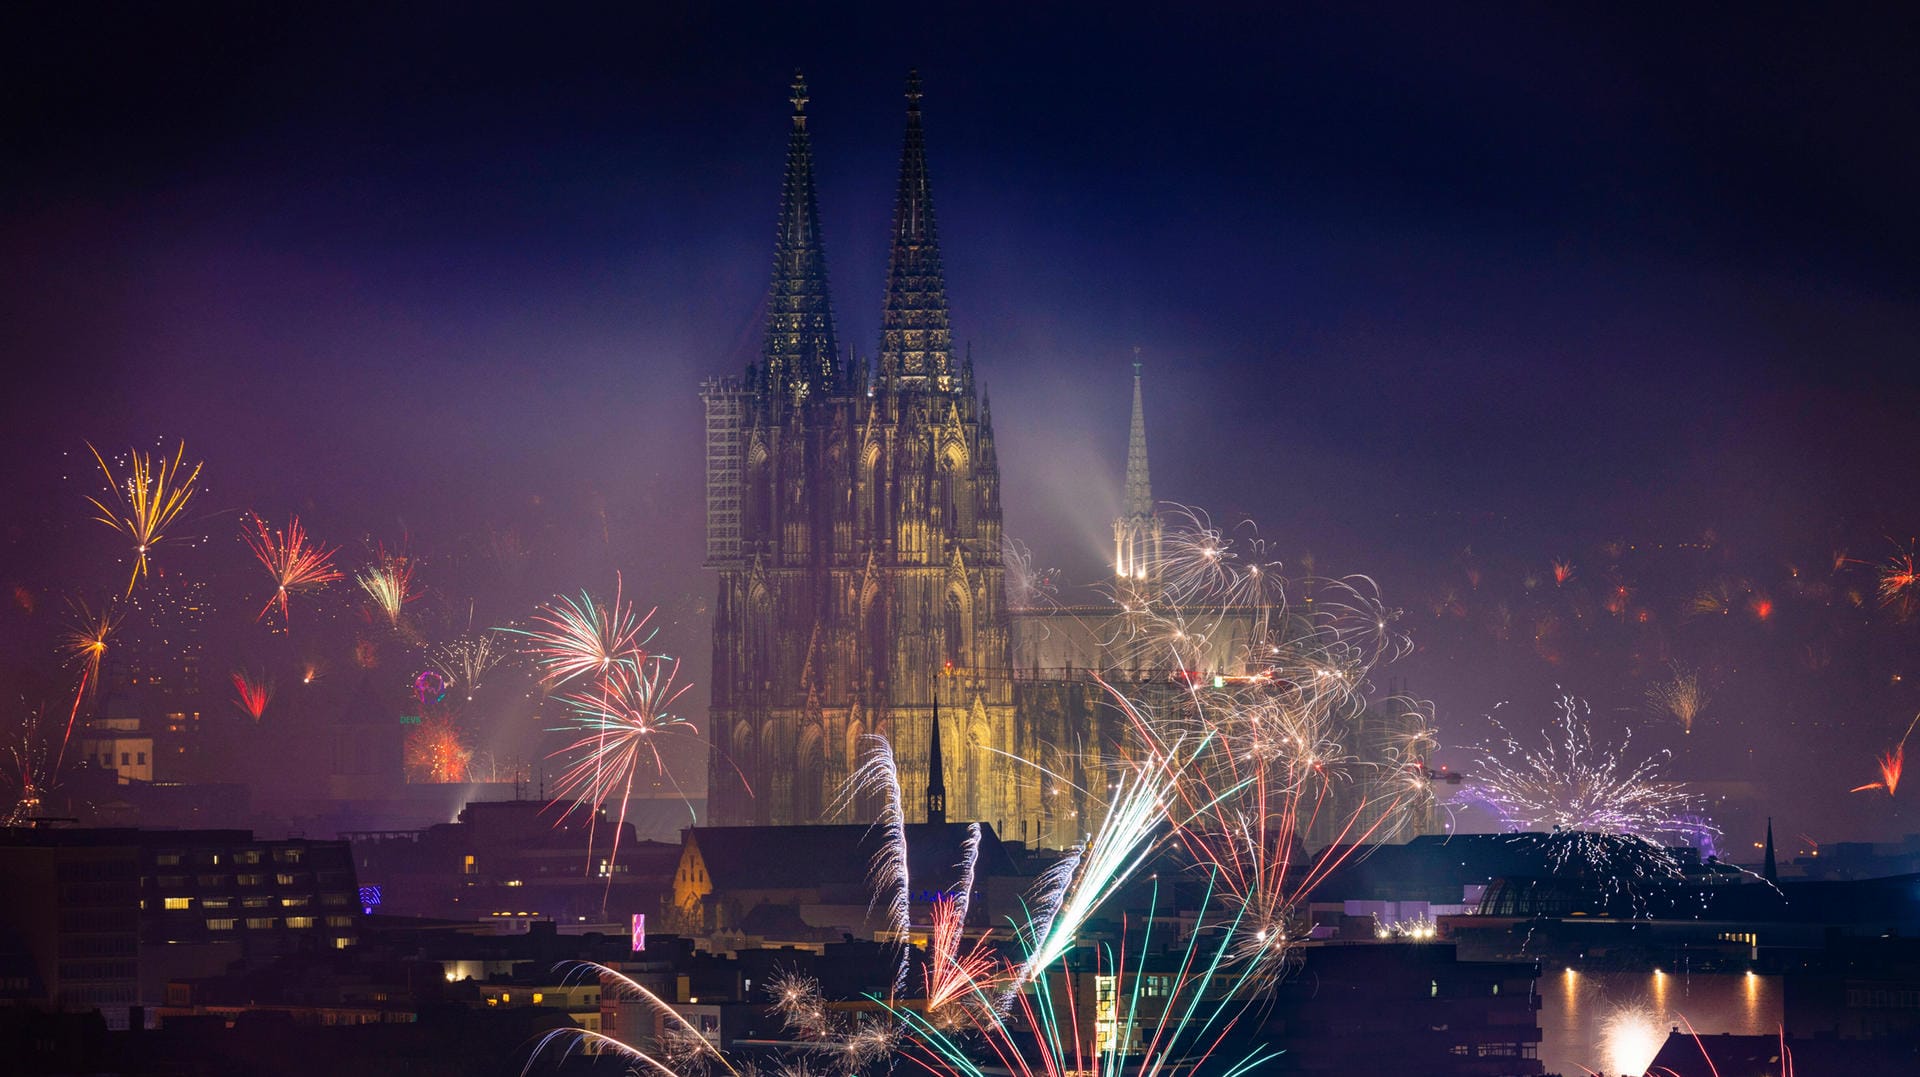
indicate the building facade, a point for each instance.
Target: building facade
{"x":853,"y":518}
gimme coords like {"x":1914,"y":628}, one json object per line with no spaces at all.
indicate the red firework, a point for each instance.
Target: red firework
{"x":252,"y":694}
{"x":293,"y":562}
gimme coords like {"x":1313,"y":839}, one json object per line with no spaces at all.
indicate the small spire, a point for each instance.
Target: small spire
{"x":1770,"y":871}
{"x":1139,"y":488}
{"x":936,"y":766}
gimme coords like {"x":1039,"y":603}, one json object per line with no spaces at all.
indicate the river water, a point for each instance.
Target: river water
{"x":1615,"y":1022}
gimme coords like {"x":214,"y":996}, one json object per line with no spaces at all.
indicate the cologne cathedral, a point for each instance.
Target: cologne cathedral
{"x":853,"y":517}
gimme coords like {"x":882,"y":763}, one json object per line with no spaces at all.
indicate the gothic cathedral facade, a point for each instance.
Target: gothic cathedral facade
{"x":853,"y":520}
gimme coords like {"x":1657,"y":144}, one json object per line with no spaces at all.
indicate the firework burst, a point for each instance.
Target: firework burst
{"x":388,"y":583}
{"x":619,"y":723}
{"x":468,"y":659}
{"x":147,"y":501}
{"x":436,"y":752}
{"x":1683,"y":697}
{"x":1576,"y":784}
{"x":574,"y":639}
{"x":1597,"y":809}
{"x":252,"y":694}
{"x":1900,"y":583}
{"x":294,"y":563}
{"x":1891,"y":763}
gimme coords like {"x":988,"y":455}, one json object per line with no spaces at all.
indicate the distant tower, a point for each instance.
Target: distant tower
{"x":1136,"y":534}
{"x":1770,"y":871}
{"x":936,"y":771}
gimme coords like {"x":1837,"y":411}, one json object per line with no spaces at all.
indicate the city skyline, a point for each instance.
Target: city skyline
{"x":1430,"y":329}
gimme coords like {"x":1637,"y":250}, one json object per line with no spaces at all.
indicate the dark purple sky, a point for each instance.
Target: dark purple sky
{"x":1406,"y":283}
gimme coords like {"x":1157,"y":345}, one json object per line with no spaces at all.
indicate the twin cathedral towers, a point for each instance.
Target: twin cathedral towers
{"x":853,"y":518}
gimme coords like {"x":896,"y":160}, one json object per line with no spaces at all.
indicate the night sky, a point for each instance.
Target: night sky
{"x":1434,"y":297}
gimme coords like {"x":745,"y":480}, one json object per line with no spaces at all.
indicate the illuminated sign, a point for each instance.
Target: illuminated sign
{"x":369,"y":897}
{"x":639,"y":932}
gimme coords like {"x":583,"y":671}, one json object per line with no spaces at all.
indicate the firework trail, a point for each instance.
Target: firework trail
{"x":573,"y":639}
{"x":147,"y":502}
{"x":1683,"y":697}
{"x":1027,"y":587}
{"x":252,"y":694}
{"x":1038,"y":1036}
{"x":585,"y":638}
{"x":468,"y":659}
{"x":952,"y":975}
{"x":878,"y":776}
{"x":86,"y":646}
{"x":435,"y":751}
{"x":1126,"y":840}
{"x":1277,"y":743}
{"x":1254,"y":772}
{"x":295,"y":564}
{"x":1891,"y":764}
{"x":613,"y":982}
{"x":389,"y":583}
{"x":30,"y":774}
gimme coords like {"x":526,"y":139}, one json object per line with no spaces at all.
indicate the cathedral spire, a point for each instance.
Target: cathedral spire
{"x":916,"y":346}
{"x":936,"y":768}
{"x":1136,"y":534}
{"x":1139,"y":496}
{"x":800,"y":355}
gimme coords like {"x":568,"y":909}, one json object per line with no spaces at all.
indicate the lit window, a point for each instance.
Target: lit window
{"x":220,"y":924}
{"x":538,"y":998}
{"x":258,"y":922}
{"x":177,"y":903}
{"x":283,"y":879}
{"x":298,"y":922}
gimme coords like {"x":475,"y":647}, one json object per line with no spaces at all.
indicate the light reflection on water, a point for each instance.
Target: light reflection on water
{"x":1615,"y":1022}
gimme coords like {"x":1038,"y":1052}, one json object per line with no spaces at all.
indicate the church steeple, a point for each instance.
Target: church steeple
{"x":916,"y":345}
{"x":801,"y":356}
{"x":1770,"y":871}
{"x":1136,"y":534}
{"x":1139,"y":496}
{"x":936,"y":769}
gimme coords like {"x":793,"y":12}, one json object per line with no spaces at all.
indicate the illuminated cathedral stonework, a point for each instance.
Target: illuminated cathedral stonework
{"x":853,"y":518}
